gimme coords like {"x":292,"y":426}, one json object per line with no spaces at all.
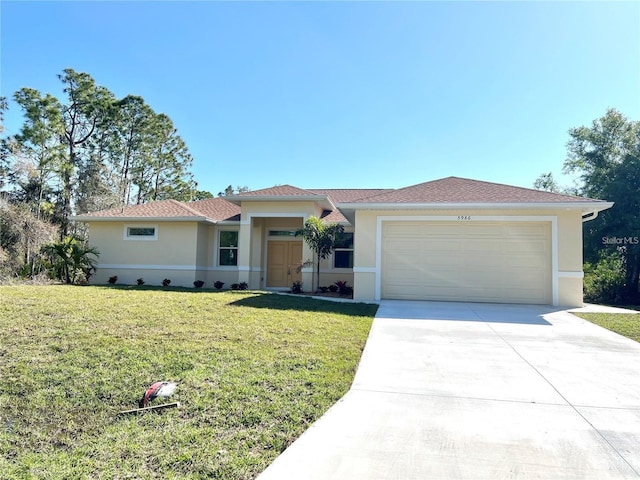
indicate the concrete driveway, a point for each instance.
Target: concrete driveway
{"x":462,"y":390}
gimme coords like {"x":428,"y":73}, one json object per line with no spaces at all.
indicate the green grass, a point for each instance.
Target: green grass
{"x":253,"y":371}
{"x":627,"y":324}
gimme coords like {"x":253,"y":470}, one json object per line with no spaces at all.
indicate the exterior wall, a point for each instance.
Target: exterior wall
{"x":330,"y":275}
{"x":256,"y":219}
{"x":570,"y":259}
{"x":567,"y":273}
{"x":274,"y":223}
{"x":186,"y":251}
{"x":364,"y":286}
{"x":257,"y":271}
{"x":172,"y":255}
{"x":151,"y":276}
{"x":304,"y":209}
{"x":203,"y":252}
{"x":365,"y":270}
{"x":570,"y":291}
{"x":227,"y":277}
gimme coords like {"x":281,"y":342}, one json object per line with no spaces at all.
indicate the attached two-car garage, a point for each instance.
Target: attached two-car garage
{"x":472,"y":261}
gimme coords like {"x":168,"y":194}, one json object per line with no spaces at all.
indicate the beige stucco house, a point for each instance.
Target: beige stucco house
{"x":449,"y":239}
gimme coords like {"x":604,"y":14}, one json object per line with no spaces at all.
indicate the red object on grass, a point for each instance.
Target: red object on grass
{"x":158,"y":389}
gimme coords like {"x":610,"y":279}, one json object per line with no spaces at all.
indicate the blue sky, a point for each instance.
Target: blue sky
{"x":344,"y":94}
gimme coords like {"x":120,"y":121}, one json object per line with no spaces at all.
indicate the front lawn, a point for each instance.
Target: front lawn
{"x":627,"y":324}
{"x":253,"y":371}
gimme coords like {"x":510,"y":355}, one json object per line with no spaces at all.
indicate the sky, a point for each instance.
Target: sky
{"x":344,"y":94}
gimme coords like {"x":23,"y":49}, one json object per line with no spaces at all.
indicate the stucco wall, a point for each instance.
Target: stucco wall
{"x":204,"y":252}
{"x":570,"y":259}
{"x":172,"y":255}
{"x":288,"y":208}
{"x":178,"y":277}
{"x":570,"y":242}
{"x":330,"y":275}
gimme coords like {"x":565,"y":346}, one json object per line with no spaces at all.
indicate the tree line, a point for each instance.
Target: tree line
{"x":85,"y":152}
{"x":606,"y":158}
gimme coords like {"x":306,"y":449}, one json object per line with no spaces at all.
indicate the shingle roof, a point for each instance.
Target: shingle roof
{"x":163,"y":208}
{"x":452,"y":190}
{"x":217,"y":209}
{"x":278,"y":191}
{"x":346,"y":195}
{"x":463,"y":190}
{"x":335,"y":216}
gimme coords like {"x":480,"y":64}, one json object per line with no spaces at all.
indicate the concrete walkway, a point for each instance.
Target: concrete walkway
{"x":479,"y":391}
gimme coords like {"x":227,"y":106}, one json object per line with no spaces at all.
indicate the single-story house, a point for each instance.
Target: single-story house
{"x":449,"y":239}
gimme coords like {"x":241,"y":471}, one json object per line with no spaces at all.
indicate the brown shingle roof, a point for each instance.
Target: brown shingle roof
{"x":335,"y":216}
{"x":217,"y":209}
{"x":163,"y":208}
{"x":452,"y":190}
{"x":277,"y":191}
{"x":346,"y":195}
{"x":462,"y":190}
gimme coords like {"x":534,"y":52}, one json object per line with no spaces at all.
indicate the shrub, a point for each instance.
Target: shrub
{"x":243,"y":286}
{"x":70,"y":258}
{"x":166,"y":282}
{"x":603,"y":281}
{"x":140,"y":281}
{"x":113,"y":280}
{"x":333,"y":288}
{"x":324,"y":289}
{"x":235,"y":286}
{"x":218,"y":284}
{"x":88,"y":273}
{"x":296,"y":287}
{"x":198,"y":284}
{"x":343,"y":287}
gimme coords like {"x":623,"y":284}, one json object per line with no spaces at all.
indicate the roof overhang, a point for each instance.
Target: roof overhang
{"x":322,"y":200}
{"x":90,"y":218}
{"x":587,"y":208}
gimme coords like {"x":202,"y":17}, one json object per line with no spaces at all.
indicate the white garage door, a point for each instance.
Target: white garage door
{"x":467,"y":261}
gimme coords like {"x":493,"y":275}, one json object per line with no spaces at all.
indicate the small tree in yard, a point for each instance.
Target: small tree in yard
{"x":321,"y":238}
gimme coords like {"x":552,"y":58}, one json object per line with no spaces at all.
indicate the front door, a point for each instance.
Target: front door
{"x":283,"y":263}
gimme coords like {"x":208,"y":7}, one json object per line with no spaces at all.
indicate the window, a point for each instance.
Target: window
{"x":282,"y":233}
{"x":343,"y":253}
{"x":140,"y":232}
{"x":228,"y":250}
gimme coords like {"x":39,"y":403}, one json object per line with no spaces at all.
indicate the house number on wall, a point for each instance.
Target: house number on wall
{"x":464,"y":217}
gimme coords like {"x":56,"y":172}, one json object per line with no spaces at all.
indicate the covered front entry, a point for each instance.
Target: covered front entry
{"x":284,"y":260}
{"x":502,"y":262}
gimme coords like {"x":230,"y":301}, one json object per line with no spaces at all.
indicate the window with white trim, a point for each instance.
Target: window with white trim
{"x":343,"y":252}
{"x":228,"y":248}
{"x":140,"y":232}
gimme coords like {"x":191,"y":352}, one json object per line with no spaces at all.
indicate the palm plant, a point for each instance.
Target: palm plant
{"x":70,"y":257}
{"x":321,"y":238}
